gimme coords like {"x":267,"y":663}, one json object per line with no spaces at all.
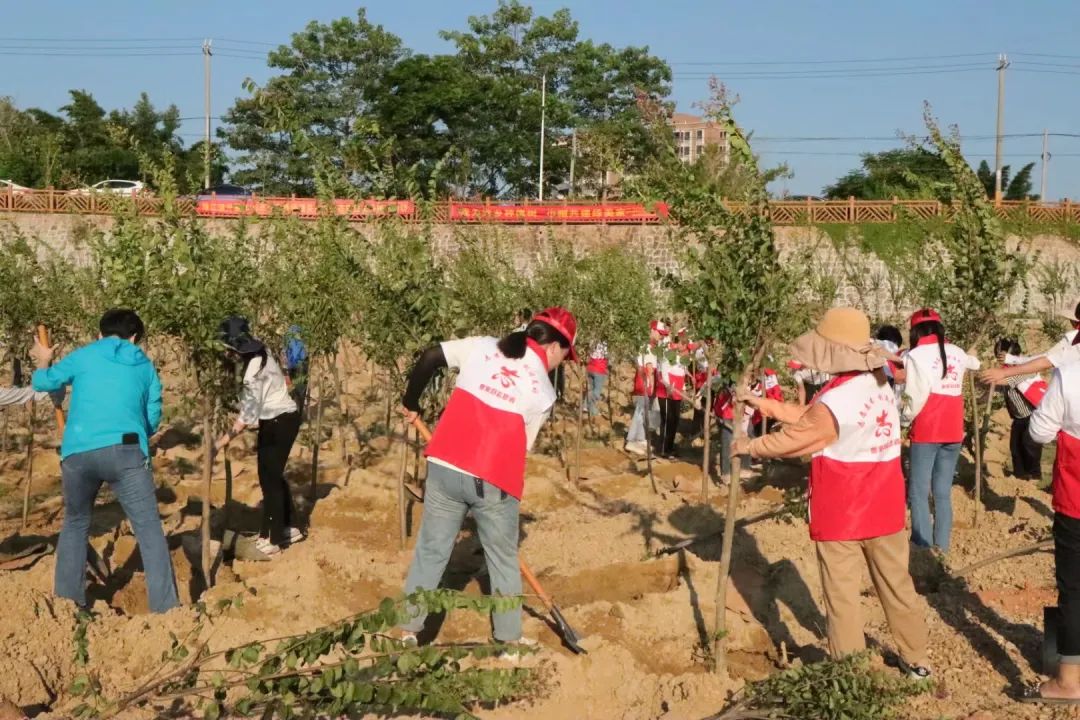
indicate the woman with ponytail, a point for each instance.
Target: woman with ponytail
{"x":934,"y":404}
{"x":476,"y":457}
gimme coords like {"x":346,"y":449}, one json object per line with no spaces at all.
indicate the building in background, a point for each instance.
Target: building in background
{"x":693,"y":134}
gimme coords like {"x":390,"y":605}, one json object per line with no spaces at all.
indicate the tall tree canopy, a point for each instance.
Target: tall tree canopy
{"x":85,"y":144}
{"x":908,"y":174}
{"x":1013,"y":187}
{"x":470,"y":120}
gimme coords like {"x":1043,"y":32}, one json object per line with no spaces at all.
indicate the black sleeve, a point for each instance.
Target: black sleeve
{"x":430,"y":362}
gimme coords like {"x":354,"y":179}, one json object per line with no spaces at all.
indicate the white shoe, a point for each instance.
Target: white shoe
{"x":294,"y":535}
{"x":637,"y":448}
{"x":408,"y":639}
{"x":518,"y":650}
{"x":266,"y":547}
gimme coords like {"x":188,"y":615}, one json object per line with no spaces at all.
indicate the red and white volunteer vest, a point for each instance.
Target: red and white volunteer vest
{"x":724,"y":406}
{"x":598,"y":362}
{"x":856,"y":483}
{"x":1033,"y":389}
{"x":483,"y":429}
{"x":942,"y":418}
{"x":1066,"y":487}
{"x":646,"y":358}
{"x":673,"y":371}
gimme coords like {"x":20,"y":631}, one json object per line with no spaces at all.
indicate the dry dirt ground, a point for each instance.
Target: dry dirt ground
{"x":592,"y":543}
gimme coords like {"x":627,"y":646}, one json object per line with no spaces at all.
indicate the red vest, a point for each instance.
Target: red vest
{"x":646,"y":357}
{"x":483,"y":429}
{"x":856,"y":483}
{"x":942,"y":418}
{"x":597,"y":366}
{"x":1066,"y":486}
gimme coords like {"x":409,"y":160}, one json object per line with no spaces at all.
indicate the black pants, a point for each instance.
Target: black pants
{"x":1026,"y":453}
{"x":299,"y":378}
{"x":669,"y":424}
{"x":697,"y":425}
{"x":276,"y":438}
{"x":1067,"y":569}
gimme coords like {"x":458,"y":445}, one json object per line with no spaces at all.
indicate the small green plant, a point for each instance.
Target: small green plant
{"x":350,"y":666}
{"x":847,"y":689}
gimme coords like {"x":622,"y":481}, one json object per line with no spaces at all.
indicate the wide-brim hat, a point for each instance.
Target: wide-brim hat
{"x":840,"y":343}
{"x":235,"y":334}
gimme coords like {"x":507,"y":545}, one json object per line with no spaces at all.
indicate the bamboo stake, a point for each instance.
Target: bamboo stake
{"x":705,"y":465}
{"x":316,"y":442}
{"x":720,"y":634}
{"x":580,"y":422}
{"x":401,"y":488}
{"x":977,"y":446}
{"x":208,"y":468}
{"x":29,"y":463}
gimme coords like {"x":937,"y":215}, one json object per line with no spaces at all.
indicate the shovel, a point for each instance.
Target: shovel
{"x":565,"y":631}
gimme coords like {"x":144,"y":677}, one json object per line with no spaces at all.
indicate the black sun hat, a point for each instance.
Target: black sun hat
{"x":235,"y":334}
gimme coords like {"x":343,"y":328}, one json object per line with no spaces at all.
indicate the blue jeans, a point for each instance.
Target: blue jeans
{"x":636,"y":432}
{"x":933,"y":466}
{"x":596,"y":392}
{"x":448,"y":496}
{"x":127,"y":471}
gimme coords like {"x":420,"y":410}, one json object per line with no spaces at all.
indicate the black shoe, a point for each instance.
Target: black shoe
{"x":915,"y":672}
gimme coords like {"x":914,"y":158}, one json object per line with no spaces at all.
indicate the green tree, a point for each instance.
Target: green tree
{"x":1014,"y":187}
{"x":330,"y":74}
{"x":909,"y":174}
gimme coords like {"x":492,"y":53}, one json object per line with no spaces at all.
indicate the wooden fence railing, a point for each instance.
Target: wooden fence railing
{"x":784,"y":212}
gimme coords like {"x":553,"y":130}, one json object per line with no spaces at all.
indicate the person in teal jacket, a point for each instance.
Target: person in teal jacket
{"x":115,"y":408}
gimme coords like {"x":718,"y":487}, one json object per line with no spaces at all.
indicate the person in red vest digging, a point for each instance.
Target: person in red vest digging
{"x":852,"y":429}
{"x":1058,"y":418}
{"x":476,"y":457}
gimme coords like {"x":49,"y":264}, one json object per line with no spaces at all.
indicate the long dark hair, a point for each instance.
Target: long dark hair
{"x":515,"y":344}
{"x":247,"y":359}
{"x":925,"y":329}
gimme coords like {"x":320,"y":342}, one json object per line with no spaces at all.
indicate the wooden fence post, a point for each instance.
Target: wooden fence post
{"x":851,"y":209}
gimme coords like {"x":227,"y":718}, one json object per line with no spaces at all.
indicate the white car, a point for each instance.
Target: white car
{"x":7,"y":186}
{"x":114,"y":187}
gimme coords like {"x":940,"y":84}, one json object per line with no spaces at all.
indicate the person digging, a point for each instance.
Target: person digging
{"x":476,"y":457}
{"x":856,"y":493}
{"x":1058,"y":418}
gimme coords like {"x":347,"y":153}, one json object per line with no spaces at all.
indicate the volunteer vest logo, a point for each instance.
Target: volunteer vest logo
{"x":884,"y":427}
{"x":505,"y":377}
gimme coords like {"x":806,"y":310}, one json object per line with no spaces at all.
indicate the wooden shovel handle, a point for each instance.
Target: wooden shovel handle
{"x":43,"y":339}
{"x":526,"y":572}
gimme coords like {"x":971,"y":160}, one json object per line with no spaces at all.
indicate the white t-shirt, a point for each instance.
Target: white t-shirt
{"x":265,"y":394}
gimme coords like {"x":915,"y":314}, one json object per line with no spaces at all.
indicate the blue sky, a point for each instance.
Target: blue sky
{"x":696,"y":37}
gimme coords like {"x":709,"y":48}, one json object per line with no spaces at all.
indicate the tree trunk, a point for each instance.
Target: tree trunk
{"x":29,"y":463}
{"x":402,"y":519}
{"x":707,"y":430}
{"x":4,"y":447}
{"x":648,"y":442}
{"x":228,"y":491}
{"x":976,"y":442}
{"x":580,"y":423}
{"x":207,"y":476}
{"x":316,"y":442}
{"x":720,"y":634}
{"x":343,"y":409}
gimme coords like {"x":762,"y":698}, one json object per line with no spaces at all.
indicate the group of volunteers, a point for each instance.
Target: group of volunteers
{"x":112,"y":423}
{"x":856,"y":389}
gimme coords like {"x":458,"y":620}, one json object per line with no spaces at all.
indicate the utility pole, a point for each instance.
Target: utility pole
{"x":1045,"y":158}
{"x":543,"y":121}
{"x":573,"y":158}
{"x":206,"y":126}
{"x":1003,"y":62}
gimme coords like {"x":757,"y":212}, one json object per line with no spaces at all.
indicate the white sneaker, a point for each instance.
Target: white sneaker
{"x":513,"y":654}
{"x":266,"y":547}
{"x":408,"y":639}
{"x":294,"y":535}
{"x":637,"y":448}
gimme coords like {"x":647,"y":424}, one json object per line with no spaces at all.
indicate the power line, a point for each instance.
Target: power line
{"x":822,"y":76}
{"x":837,"y":62}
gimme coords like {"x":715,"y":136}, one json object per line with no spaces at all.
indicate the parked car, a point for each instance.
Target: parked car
{"x":114,"y":187}
{"x":223,"y":190}
{"x":7,"y":186}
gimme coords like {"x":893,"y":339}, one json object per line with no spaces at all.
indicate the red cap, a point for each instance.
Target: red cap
{"x":794,"y":364}
{"x":770,"y":371}
{"x":660,"y":327}
{"x":924,"y":315}
{"x":562,"y":320}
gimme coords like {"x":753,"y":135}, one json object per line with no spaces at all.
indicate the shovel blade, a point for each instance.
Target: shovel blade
{"x":568,"y":635}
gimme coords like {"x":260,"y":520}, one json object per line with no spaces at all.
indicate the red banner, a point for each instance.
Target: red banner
{"x":231,"y":206}
{"x":590,"y":214}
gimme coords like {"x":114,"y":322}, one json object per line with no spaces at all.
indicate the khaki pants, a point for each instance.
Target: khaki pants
{"x":841,"y":581}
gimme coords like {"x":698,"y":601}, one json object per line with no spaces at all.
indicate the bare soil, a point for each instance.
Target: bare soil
{"x":592,"y":541}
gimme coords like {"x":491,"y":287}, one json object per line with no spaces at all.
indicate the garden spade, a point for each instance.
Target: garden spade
{"x":565,"y":631}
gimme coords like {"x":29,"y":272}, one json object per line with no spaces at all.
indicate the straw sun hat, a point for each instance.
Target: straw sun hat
{"x":840,"y":343}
